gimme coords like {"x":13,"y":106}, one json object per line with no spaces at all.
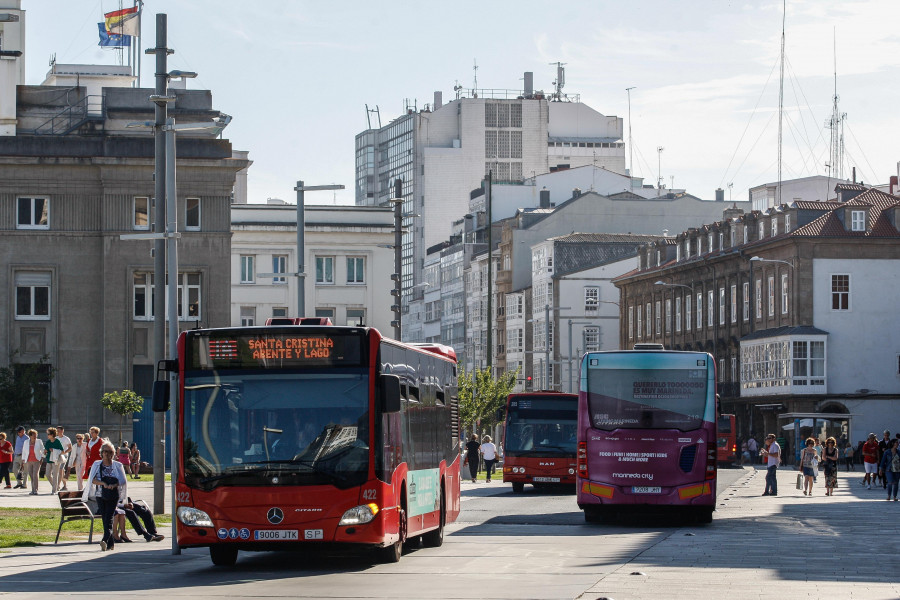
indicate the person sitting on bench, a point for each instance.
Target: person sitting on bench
{"x":136,"y":512}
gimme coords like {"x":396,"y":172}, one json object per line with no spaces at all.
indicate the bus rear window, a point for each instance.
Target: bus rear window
{"x":724,"y":424}
{"x":647,"y":398}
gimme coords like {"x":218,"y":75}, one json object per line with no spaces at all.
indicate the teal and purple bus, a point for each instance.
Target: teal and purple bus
{"x":647,"y":433}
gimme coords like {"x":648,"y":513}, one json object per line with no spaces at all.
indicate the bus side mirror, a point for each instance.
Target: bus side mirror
{"x":390,"y":393}
{"x":499,"y":414}
{"x":160,"y":396}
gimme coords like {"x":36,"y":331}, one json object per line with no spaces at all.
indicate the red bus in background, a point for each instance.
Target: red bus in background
{"x":539,"y":439}
{"x":297,"y":435}
{"x":726,"y":441}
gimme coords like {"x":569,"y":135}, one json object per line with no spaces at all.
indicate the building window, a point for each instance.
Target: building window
{"x":324,"y":269}
{"x":188,"y":297}
{"x":746,"y":301}
{"x":591,"y":339}
{"x":734,"y":375}
{"x":141,"y":213}
{"x":677,"y":252}
{"x":771,"y":296}
{"x":840,"y":292}
{"x":758,"y":300}
{"x":687,"y":248}
{"x":787,"y":223}
{"x":192,"y":214}
{"x":732,"y":233}
{"x":857,"y":220}
{"x":746,"y":233}
{"x":784,"y":294}
{"x":658,"y":318}
{"x":710,"y":309}
{"x":279,"y":265}
{"x":678,"y":313}
{"x":734,"y":303}
{"x":248,"y":316}
{"x":709,"y":242}
{"x":722,"y":305}
{"x":32,"y":296}
{"x":630,"y":322}
{"x":279,"y":311}
{"x":248,"y":275}
{"x":327,"y":313}
{"x":356,"y":269}
{"x":687,"y":312}
{"x":699,"y":310}
{"x":721,"y":370}
{"x":762,"y":229}
{"x":721,"y":241}
{"x":33,"y":213}
{"x":356,"y":317}
{"x":774,"y":226}
{"x":668,"y":316}
{"x":591,"y":299}
{"x":808,"y":363}
{"x":640,"y":322}
{"x":649,"y":316}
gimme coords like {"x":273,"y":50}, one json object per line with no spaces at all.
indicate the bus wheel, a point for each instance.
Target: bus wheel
{"x":518,"y":487}
{"x":392,"y":553}
{"x":435,"y":538}
{"x":593,"y":514}
{"x":223,"y":556}
{"x":705,"y":515}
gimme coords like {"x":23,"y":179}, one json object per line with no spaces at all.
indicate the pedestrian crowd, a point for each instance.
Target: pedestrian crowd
{"x":101,"y":472}
{"x":880,"y":460}
{"x":484,"y":455}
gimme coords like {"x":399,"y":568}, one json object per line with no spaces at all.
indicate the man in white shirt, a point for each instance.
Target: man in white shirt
{"x":772,"y":454}
{"x":62,"y":465}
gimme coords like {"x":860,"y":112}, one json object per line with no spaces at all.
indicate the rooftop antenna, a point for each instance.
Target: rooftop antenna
{"x":457,"y":88}
{"x":630,"y":140}
{"x":730,"y":185}
{"x":659,"y":178}
{"x":836,"y":125}
{"x":560,"y":80}
{"x":781,"y":99}
{"x":475,"y":71}
{"x":369,"y":118}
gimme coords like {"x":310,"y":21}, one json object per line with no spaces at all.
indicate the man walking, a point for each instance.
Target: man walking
{"x":772,"y":454}
{"x":883,"y":446}
{"x":62,"y":476}
{"x":870,"y":461}
{"x":18,"y":463}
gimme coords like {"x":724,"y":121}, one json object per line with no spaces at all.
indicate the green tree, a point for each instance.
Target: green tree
{"x":25,"y":392}
{"x":122,"y":403}
{"x":479,"y":410}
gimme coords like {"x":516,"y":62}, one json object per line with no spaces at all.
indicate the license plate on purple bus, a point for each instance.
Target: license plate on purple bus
{"x":646,"y":490}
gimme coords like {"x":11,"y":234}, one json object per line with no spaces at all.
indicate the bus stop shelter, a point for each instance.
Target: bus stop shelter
{"x":816,"y":425}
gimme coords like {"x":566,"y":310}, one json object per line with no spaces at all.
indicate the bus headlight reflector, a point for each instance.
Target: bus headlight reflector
{"x":359,"y":515}
{"x":194,"y":517}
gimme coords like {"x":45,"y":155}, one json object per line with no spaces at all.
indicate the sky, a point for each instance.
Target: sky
{"x":297,"y":76}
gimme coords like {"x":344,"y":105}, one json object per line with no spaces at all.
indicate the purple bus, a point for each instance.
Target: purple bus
{"x":647,"y":432}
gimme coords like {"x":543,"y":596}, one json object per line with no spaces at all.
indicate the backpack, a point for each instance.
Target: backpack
{"x":895,"y":463}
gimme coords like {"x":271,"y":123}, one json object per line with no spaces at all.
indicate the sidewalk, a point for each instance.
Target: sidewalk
{"x":786,"y":546}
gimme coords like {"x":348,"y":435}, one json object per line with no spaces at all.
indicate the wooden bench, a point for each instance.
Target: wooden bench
{"x":73,"y":509}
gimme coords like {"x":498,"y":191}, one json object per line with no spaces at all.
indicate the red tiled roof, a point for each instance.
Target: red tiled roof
{"x":879,"y":224}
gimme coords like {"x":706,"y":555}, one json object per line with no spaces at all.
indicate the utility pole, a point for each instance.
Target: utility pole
{"x":397,"y":275}
{"x":301,"y":242}
{"x":490,"y":277}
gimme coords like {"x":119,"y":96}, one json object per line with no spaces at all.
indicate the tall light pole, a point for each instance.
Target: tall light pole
{"x":571,"y":322}
{"x":397,"y":275}
{"x":301,"y":247}
{"x":673,"y":286}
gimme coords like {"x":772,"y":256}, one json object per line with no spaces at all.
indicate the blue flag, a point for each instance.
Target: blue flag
{"x":112,"y":40}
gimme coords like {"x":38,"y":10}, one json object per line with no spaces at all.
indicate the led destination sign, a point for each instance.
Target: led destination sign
{"x":236,"y":350}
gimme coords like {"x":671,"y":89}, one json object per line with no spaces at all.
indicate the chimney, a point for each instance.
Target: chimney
{"x":239,"y":195}
{"x":529,"y":84}
{"x":731,"y":213}
{"x":545,"y":198}
{"x":576,"y":193}
{"x":438,"y":100}
{"x":720,"y":195}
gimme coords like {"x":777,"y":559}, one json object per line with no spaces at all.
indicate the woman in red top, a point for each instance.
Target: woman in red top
{"x":91,"y":451}
{"x":6,"y":457}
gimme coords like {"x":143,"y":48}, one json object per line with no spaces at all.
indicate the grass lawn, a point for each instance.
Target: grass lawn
{"x":144,"y":477}
{"x":31,"y":526}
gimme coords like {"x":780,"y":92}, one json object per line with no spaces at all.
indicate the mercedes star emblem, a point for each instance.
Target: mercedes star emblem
{"x":275,"y":516}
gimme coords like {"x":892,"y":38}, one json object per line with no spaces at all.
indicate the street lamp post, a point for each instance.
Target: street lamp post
{"x":673,"y":286}
{"x":571,"y":322}
{"x":301,"y":246}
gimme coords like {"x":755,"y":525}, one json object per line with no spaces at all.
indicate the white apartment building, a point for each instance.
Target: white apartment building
{"x":816,"y":188}
{"x":348,"y":264}
{"x":444,"y":151}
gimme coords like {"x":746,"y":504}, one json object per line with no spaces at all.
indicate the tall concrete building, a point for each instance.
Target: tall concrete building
{"x":73,"y":179}
{"x":444,"y":151}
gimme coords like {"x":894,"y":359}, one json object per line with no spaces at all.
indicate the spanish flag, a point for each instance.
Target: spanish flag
{"x":124,"y":22}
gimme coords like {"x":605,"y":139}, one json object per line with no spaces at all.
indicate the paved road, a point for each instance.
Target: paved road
{"x":536,"y":545}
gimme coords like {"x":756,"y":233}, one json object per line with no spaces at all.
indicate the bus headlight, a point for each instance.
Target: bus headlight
{"x":194,"y":517}
{"x":359,"y":515}
{"x":571,"y":471}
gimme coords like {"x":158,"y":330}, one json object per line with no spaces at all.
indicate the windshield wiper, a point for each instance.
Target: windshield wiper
{"x":233,"y":471}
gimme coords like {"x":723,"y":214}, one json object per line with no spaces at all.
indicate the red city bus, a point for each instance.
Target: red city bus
{"x":539,"y":439}
{"x":298,"y":435}
{"x":726,"y":441}
{"x":646,"y":433}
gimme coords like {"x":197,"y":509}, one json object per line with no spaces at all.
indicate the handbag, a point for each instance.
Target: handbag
{"x":110,"y":495}
{"x":799,"y":481}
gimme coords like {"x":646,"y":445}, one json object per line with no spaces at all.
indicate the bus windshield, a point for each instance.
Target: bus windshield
{"x":647,"y":398}
{"x":545,"y":425}
{"x":250,"y":427}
